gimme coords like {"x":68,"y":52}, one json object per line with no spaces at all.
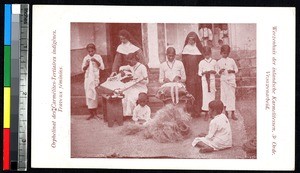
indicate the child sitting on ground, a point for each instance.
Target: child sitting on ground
{"x":219,"y":135}
{"x":142,"y":112}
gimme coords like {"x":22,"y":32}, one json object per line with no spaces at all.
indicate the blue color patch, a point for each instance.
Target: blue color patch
{"x":7,"y":24}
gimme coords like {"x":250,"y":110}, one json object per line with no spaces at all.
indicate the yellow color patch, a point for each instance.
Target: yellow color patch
{"x":6,"y":121}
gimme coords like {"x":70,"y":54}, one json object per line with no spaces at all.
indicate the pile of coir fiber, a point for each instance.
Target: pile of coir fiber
{"x":170,"y":124}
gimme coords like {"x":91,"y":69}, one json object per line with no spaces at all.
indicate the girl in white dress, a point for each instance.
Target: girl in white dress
{"x":91,"y":65}
{"x":227,"y":69}
{"x":207,"y":71}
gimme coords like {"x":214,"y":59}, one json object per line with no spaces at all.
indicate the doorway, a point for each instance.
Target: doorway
{"x":113,"y":39}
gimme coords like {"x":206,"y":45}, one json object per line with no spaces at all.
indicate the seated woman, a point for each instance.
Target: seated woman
{"x":172,"y":75}
{"x":139,"y":73}
{"x":128,"y":45}
{"x":171,"y":68}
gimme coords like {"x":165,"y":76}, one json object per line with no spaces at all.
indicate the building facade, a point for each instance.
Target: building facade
{"x":154,"y":38}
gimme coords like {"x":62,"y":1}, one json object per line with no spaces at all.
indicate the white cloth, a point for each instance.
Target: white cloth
{"x":205,"y":32}
{"x":223,"y":33}
{"x":191,"y":50}
{"x":127,"y":48}
{"x":219,"y":135}
{"x":141,"y":113}
{"x":139,"y":71}
{"x":175,"y":87}
{"x":91,"y":80}
{"x":205,"y":35}
{"x":224,"y":36}
{"x":170,"y":70}
{"x":207,"y":65}
{"x":228,"y":83}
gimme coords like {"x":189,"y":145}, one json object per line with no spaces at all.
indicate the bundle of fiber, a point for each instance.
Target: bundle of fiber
{"x":170,"y":124}
{"x":132,"y":129}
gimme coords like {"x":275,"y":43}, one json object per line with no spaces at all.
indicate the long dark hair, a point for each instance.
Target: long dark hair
{"x":129,"y":37}
{"x":197,"y":41}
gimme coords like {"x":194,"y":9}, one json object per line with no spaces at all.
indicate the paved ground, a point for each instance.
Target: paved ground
{"x":94,"y":139}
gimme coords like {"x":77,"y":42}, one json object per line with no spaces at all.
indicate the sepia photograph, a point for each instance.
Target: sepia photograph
{"x":163,"y":90}
{"x":130,"y":87}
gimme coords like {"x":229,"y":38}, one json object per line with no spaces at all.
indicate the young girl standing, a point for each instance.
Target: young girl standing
{"x":227,"y":69}
{"x":91,"y":65}
{"x":207,"y":71}
{"x":206,"y":35}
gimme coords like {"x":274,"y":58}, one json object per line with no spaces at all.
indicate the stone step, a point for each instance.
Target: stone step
{"x":153,"y":87}
{"x":245,"y":81}
{"x":245,"y":92}
{"x":246,"y":62}
{"x":246,"y":72}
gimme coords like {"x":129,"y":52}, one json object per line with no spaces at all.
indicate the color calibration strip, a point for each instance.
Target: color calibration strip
{"x":7,"y":86}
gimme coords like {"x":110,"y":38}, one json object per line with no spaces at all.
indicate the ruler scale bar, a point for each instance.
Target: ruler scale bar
{"x":23,"y":88}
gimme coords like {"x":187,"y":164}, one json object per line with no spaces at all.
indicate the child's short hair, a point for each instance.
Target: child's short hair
{"x":206,"y":50}
{"x":132,"y":56}
{"x":171,"y":50}
{"x":225,"y":49}
{"x":91,"y":46}
{"x":142,"y":96}
{"x":216,"y":105}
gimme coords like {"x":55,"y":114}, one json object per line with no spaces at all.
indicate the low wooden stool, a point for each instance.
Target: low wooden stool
{"x":112,"y":110}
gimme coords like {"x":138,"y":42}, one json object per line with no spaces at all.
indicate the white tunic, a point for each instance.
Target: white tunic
{"x":224,"y":36}
{"x":170,"y":70}
{"x":207,"y":65}
{"x":91,"y":80}
{"x":139,"y":71}
{"x":141,"y":113}
{"x":228,"y":83}
{"x":219,"y":135}
{"x":205,"y":32}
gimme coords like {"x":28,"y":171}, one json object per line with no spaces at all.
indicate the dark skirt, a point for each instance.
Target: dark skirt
{"x":193,"y":81}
